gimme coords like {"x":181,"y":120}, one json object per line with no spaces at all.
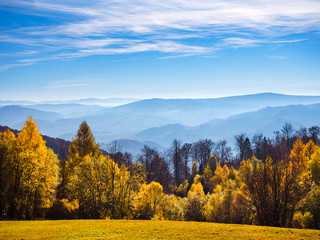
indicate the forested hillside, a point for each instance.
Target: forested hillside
{"x":268,"y":181}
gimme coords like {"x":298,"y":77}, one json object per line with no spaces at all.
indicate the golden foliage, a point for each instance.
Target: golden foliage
{"x":31,"y":173}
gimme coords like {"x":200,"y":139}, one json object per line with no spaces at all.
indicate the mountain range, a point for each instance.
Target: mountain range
{"x":159,"y":121}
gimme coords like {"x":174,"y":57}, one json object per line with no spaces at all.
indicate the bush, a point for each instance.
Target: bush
{"x":63,"y":209}
{"x":297,"y":221}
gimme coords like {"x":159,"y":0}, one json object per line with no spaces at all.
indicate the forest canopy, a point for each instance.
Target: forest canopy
{"x":272,"y":182}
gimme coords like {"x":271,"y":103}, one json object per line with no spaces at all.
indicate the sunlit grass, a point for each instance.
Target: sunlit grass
{"x":125,"y":229}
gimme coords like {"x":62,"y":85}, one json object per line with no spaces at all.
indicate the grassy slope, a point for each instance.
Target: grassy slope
{"x":122,"y":229}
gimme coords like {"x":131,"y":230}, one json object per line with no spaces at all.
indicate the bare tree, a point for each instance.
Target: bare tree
{"x":201,"y":152}
{"x":314,"y":133}
{"x":222,"y":151}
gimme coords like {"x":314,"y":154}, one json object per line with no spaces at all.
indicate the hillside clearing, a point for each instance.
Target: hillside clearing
{"x":133,"y":229}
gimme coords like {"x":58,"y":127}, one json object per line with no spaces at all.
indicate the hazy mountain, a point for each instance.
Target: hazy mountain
{"x":192,"y":112}
{"x":11,"y":102}
{"x":69,"y":110}
{"x":107,"y":102}
{"x":123,"y":122}
{"x":13,"y":115}
{"x":265,"y":121}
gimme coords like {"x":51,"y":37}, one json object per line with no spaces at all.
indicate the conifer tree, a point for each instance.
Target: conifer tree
{"x":84,"y":143}
{"x":82,"y":146}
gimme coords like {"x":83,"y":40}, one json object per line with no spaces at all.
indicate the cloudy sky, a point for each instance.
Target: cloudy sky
{"x":54,"y":49}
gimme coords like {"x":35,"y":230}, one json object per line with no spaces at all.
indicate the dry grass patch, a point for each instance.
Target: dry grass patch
{"x":125,"y":229}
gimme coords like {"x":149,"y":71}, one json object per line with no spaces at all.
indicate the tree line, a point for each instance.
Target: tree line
{"x":272,"y":182}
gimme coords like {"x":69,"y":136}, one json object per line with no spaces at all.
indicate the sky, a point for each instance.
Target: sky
{"x":72,"y":49}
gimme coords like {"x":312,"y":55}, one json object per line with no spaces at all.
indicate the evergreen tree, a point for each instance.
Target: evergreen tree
{"x":84,"y":143}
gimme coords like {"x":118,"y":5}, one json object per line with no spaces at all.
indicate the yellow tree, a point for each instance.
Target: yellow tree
{"x":127,"y":185}
{"x":314,"y":165}
{"x":90,"y":184}
{"x":220,"y":174}
{"x":275,"y":188}
{"x":7,"y":141}
{"x":207,"y":179}
{"x":195,"y":201}
{"x":82,"y":145}
{"x":31,"y":172}
{"x":147,"y":202}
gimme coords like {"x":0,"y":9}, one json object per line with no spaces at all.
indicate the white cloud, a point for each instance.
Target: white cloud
{"x":169,"y":26}
{"x":8,"y":66}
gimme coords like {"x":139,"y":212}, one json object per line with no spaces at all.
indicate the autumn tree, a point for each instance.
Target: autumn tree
{"x":195,"y":201}
{"x":171,"y":208}
{"x":207,"y":180}
{"x":30,"y":171}
{"x":148,"y":200}
{"x":276,"y":187}
{"x":314,"y":166}
{"x":82,"y":145}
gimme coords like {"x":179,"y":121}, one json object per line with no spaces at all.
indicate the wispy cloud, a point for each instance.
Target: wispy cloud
{"x":69,"y":85}
{"x":169,"y":26}
{"x":8,"y":66}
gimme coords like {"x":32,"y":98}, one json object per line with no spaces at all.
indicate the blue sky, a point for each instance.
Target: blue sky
{"x":74,"y":49}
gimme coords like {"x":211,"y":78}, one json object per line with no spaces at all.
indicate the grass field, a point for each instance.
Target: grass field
{"x":125,"y":229}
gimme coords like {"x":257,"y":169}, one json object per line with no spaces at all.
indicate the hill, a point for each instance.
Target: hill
{"x":12,"y":115}
{"x":159,"y":120}
{"x":264,"y":121}
{"x":192,"y":112}
{"x":68,"y":110}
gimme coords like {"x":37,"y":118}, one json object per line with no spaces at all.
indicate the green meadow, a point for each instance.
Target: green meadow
{"x":134,"y":229}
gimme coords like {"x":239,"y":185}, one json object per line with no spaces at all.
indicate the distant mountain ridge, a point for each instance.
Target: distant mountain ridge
{"x":265,"y":121}
{"x":12,"y":115}
{"x":111,"y":102}
{"x":160,"y":120}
